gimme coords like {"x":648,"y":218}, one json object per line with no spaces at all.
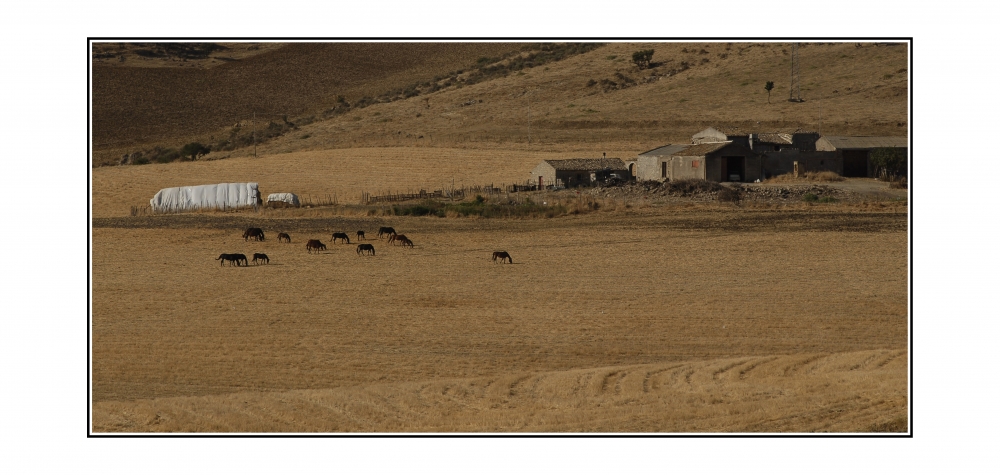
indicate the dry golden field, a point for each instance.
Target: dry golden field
{"x":318,"y":174}
{"x":704,"y":318}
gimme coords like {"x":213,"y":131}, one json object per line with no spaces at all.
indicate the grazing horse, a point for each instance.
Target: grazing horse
{"x":404,"y":241}
{"x":284,"y":237}
{"x":366,"y":248}
{"x":231,"y":258}
{"x":260,"y":257}
{"x":397,"y":237}
{"x":241,"y":258}
{"x":315,"y":244}
{"x":361,"y":235}
{"x":502,"y":255}
{"x":341,"y":236}
{"x":256,"y":233}
{"x":385,"y":231}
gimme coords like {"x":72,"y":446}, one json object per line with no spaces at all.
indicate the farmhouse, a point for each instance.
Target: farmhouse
{"x":576,"y":171}
{"x":191,"y":198}
{"x":735,"y":154}
{"x":854,"y":152}
{"x":713,"y":161}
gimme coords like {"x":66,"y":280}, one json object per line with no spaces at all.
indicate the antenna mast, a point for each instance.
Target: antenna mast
{"x":794,"y":95}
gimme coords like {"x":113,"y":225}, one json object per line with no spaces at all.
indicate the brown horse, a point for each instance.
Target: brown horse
{"x":314,"y":244}
{"x":361,"y":235}
{"x":282,"y":237}
{"x":366,"y":248}
{"x":502,"y":255}
{"x":261,"y":258}
{"x":397,"y":237}
{"x":256,"y":233}
{"x":404,"y":241}
{"x":343,"y":236}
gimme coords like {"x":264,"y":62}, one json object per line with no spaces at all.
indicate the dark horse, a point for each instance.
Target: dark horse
{"x":261,"y":257}
{"x":231,"y":258}
{"x":385,"y":231}
{"x":404,"y":241}
{"x":315,"y":244}
{"x":366,"y":248}
{"x":502,"y":255}
{"x":361,"y":235}
{"x":241,"y":258}
{"x":343,"y":236}
{"x":256,"y":233}
{"x":284,"y":237}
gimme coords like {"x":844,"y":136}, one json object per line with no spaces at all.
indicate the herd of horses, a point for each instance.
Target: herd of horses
{"x":316,"y":245}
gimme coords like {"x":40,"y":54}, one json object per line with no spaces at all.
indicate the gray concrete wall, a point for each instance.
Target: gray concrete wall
{"x":649,"y":168}
{"x":681,"y":168}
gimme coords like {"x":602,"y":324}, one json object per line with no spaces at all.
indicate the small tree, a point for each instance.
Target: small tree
{"x":767,"y":87}
{"x":642,"y":58}
{"x":194,"y":150}
{"x":887,"y":162}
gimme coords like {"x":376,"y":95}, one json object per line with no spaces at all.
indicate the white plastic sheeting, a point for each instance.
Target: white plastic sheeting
{"x":190,"y":198}
{"x":289,"y":198}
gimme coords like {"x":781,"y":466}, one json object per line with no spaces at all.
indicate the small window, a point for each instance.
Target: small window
{"x":663,"y":169}
{"x":694,"y":163}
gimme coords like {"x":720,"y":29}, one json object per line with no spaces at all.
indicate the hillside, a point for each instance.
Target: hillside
{"x":586,"y":102}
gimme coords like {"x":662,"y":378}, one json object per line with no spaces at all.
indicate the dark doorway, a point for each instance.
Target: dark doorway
{"x":855,"y":163}
{"x":733,"y":169}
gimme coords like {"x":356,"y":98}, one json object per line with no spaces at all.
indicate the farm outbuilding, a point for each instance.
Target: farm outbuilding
{"x":576,"y":171}
{"x":192,"y":198}
{"x":855,"y":152}
{"x":712,"y":161}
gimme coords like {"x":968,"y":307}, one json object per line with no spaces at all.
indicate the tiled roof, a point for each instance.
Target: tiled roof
{"x":843,"y":142}
{"x":784,"y":139}
{"x":665,"y":150}
{"x":588,"y":164}
{"x":700,"y":149}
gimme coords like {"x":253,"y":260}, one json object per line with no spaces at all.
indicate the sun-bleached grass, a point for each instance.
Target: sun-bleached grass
{"x":588,"y":291}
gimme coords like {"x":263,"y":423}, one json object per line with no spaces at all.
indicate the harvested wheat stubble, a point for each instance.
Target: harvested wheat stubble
{"x":583,"y":294}
{"x":861,"y":391}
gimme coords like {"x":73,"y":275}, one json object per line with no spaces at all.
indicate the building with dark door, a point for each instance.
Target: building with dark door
{"x":855,"y":152}
{"x":576,"y":171}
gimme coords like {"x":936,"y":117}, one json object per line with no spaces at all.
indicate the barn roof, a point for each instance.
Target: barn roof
{"x":784,"y":139}
{"x":700,"y":149}
{"x":737,"y":131}
{"x":588,"y":164}
{"x":845,"y":142}
{"x":665,"y":150}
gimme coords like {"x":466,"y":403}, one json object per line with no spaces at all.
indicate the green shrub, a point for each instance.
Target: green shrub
{"x":810,"y":197}
{"x":828,"y":199}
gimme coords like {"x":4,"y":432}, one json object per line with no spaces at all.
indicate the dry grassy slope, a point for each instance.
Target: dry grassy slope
{"x":850,"y":90}
{"x":861,"y":391}
{"x":136,"y":105}
{"x":555,"y":107}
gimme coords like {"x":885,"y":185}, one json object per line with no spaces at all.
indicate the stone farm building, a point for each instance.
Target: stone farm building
{"x":734,"y":154}
{"x":575,"y":171}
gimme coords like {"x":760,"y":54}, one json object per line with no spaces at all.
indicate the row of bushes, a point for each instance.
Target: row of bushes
{"x":479,"y":207}
{"x":486,"y":68}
